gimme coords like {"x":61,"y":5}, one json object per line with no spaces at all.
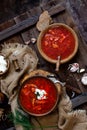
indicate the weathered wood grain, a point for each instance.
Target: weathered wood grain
{"x":64,"y":74}
{"x":69,"y":14}
{"x":73,"y":80}
{"x":18,"y":27}
{"x":27,"y":23}
{"x":14,"y":39}
{"x":78,"y":10}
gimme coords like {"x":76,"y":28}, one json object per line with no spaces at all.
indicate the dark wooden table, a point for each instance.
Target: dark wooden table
{"x":60,"y":12}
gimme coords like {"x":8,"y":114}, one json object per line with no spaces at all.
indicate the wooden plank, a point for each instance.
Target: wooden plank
{"x":79,"y":100}
{"x":18,"y":27}
{"x":64,"y":75}
{"x":78,"y":10}
{"x":73,"y":78}
{"x":82,"y":52}
{"x":26,"y":24}
{"x":6,"y":24}
{"x":42,"y":64}
{"x":14,"y":39}
{"x":25,"y":35}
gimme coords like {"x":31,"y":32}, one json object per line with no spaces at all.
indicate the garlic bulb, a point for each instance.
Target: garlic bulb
{"x":84,"y":79}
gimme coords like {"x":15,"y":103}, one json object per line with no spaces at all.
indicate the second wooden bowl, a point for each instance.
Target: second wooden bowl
{"x":57,"y":40}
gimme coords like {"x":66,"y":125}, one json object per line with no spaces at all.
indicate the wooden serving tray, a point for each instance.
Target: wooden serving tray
{"x":20,"y":29}
{"x":23,"y":27}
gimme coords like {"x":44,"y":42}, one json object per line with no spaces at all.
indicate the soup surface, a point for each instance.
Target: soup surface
{"x":38,"y":95}
{"x":58,"y":41}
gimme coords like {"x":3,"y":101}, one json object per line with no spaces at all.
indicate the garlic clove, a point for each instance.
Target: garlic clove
{"x":33,"y":40}
{"x":84,"y":79}
{"x":82,"y":70}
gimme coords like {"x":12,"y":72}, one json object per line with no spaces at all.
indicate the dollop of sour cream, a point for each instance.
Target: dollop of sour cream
{"x":3,"y":64}
{"x":41,"y":94}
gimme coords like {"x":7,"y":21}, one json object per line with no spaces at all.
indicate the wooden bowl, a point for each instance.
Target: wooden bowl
{"x":57,"y":40}
{"x":38,"y":96}
{"x":4,"y":65}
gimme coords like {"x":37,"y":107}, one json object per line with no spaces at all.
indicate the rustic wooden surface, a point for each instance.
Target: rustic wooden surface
{"x":73,"y":80}
{"x":78,"y":9}
{"x":26,"y":23}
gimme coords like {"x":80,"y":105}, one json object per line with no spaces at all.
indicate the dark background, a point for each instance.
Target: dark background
{"x":11,"y":8}
{"x":78,"y":9}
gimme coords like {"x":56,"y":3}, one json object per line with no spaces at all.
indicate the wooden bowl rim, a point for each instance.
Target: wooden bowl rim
{"x":48,"y":58}
{"x":22,"y":85}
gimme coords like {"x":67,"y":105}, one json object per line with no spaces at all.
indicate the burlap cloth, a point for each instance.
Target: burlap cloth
{"x":62,"y":118}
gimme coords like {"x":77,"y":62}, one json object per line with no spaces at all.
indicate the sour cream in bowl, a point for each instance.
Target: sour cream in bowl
{"x":38,"y":96}
{"x":4,"y":65}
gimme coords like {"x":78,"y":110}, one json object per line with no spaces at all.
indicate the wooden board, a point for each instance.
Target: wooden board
{"x":27,"y":22}
{"x":24,"y":34}
{"x":28,"y":31}
{"x":61,"y":15}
